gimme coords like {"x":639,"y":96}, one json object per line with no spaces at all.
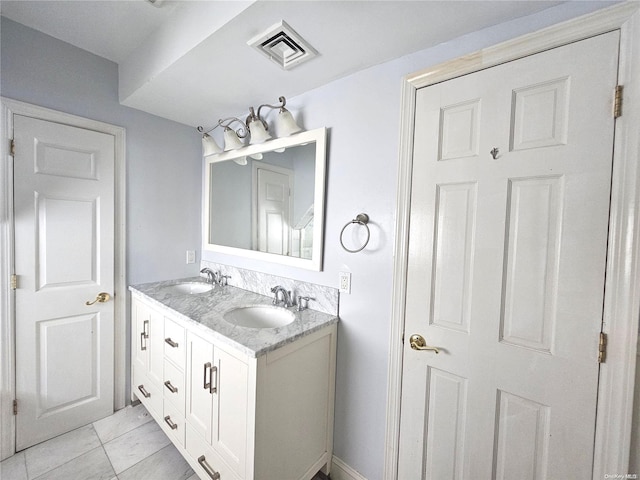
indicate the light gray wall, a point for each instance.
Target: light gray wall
{"x":362,"y":113}
{"x":164,"y":162}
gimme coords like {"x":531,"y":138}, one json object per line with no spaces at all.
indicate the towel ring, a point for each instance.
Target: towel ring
{"x":361,"y":219}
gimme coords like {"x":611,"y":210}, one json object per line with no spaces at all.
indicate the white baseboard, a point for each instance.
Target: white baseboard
{"x":342,"y":471}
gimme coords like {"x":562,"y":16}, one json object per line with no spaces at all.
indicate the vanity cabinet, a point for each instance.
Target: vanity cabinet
{"x":232,"y":415}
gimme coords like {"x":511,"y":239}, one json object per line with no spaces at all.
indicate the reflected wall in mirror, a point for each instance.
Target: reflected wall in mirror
{"x":270,"y":207}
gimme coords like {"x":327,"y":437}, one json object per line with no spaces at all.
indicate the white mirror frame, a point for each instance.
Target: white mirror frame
{"x":319,"y":136}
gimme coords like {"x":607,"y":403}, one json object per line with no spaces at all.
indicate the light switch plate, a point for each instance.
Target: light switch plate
{"x":191,"y":256}
{"x":345,"y":282}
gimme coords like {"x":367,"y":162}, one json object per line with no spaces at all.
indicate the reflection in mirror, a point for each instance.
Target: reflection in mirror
{"x":268,"y":208}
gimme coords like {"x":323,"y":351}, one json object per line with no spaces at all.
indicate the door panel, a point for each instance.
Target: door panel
{"x":66,"y":240}
{"x":64,"y":224}
{"x":507,"y":255}
{"x":273,"y":197}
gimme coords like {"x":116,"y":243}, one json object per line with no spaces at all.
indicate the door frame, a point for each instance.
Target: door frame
{"x":622,"y":295}
{"x":9,"y":108}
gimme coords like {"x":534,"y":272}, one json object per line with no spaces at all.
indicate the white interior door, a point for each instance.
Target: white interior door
{"x":273,"y":188}
{"x":506,"y":268}
{"x":64,"y":257}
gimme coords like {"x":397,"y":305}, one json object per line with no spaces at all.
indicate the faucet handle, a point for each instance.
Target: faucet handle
{"x":303,"y":302}
{"x":224,"y":280}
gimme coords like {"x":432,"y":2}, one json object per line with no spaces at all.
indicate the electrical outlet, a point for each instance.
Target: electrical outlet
{"x":345,"y":282}
{"x":191,"y":256}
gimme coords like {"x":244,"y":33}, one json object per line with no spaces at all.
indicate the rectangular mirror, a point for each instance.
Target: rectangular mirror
{"x":266,"y":201}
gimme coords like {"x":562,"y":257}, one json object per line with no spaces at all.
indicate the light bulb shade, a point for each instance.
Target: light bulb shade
{"x":209,"y":146}
{"x":240,"y":160}
{"x":257,"y":156}
{"x":285,"y":124}
{"x":231,"y":140}
{"x":259,"y":134}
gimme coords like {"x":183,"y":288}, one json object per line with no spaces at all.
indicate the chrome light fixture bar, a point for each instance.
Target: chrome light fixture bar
{"x":255,"y":127}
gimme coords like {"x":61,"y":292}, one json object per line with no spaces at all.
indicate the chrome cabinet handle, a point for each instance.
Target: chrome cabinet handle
{"x":168,"y":421}
{"x":213,"y":386}
{"x":206,"y":385}
{"x":210,"y":471}
{"x":418,"y":342}
{"x":143,"y":391}
{"x":171,"y":342}
{"x":210,"y":384}
{"x":100,"y":298}
{"x":171,"y":388}
{"x":144,"y":335}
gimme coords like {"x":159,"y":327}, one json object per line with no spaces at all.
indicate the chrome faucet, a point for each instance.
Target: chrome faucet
{"x":211,"y":276}
{"x":286,"y":296}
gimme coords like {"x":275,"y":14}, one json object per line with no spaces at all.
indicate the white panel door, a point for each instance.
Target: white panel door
{"x":506,"y":268}
{"x":64,"y":240}
{"x":274,"y":187}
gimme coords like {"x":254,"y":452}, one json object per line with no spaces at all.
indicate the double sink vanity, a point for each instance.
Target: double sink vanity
{"x":243,"y":388}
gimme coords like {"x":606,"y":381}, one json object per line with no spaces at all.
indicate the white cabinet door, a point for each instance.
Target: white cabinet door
{"x":140,"y":341}
{"x":147,"y":347}
{"x":231,"y":409}
{"x":199,"y":407}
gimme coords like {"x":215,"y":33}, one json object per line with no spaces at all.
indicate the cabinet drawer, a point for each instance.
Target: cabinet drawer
{"x":208,"y":463}
{"x":148,"y":392}
{"x":173,"y":385}
{"x":174,"y":342}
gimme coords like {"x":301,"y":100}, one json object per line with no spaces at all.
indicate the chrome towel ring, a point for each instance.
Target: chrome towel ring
{"x":361,"y":219}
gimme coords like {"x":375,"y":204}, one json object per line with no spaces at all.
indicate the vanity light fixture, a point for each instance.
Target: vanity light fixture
{"x":255,"y":127}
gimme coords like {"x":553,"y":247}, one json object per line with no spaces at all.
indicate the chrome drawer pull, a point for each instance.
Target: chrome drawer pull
{"x":210,"y":471}
{"x":171,"y":388}
{"x":143,"y":391}
{"x":143,"y":345}
{"x":171,"y":342}
{"x":168,"y":421}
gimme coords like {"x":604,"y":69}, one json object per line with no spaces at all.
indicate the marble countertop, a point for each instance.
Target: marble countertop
{"x":205,"y":313}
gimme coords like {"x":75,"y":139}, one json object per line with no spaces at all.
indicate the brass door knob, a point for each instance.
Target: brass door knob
{"x":418,"y":342}
{"x":100,"y":298}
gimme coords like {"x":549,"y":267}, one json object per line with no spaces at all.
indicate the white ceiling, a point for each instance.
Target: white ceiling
{"x":189,"y":60}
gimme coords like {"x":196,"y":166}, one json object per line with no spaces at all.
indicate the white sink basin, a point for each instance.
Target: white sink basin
{"x":190,"y":288}
{"x":260,"y":316}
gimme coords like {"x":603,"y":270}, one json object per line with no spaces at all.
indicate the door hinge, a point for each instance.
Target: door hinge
{"x":14,"y":281}
{"x":15,"y":407}
{"x":602,"y":348}
{"x":12,"y":147}
{"x":617,"y":102}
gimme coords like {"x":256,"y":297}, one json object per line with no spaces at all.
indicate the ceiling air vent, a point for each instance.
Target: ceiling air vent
{"x":282,"y":45}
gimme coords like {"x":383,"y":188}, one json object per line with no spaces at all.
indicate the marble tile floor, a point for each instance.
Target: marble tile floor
{"x":128,"y":445}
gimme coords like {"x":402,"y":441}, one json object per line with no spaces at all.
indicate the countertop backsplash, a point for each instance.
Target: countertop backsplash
{"x":325,"y":298}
